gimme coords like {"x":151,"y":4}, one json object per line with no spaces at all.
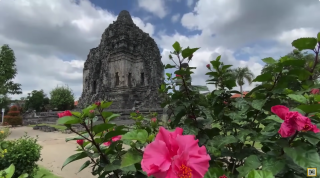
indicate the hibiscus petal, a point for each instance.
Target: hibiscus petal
{"x":169,"y":138}
{"x":315,"y":129}
{"x":286,"y":130}
{"x":280,"y":111}
{"x":156,"y":154}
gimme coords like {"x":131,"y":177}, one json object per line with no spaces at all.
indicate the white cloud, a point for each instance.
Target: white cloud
{"x":52,"y":39}
{"x":227,"y":26}
{"x":175,"y":18}
{"x":157,"y":7}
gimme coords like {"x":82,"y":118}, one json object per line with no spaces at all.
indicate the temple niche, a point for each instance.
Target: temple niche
{"x":125,"y":68}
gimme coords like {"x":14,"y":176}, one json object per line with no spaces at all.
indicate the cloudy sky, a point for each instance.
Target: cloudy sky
{"x":51,"y":38}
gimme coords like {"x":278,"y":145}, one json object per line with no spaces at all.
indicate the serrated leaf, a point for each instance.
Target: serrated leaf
{"x":305,"y":43}
{"x":298,"y":98}
{"x":102,"y":127}
{"x":105,"y":105}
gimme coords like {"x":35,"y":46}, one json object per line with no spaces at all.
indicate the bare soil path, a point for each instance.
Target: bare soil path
{"x":55,"y":151}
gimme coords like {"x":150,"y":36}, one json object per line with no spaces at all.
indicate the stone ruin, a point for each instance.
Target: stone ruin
{"x":125,"y":68}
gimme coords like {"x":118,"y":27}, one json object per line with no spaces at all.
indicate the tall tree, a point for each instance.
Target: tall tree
{"x":8,"y":72}
{"x":62,"y":98}
{"x":36,"y":100}
{"x":241,"y":74}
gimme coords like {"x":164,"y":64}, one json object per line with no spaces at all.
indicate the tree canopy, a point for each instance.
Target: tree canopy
{"x":8,"y":72}
{"x":62,"y":98}
{"x":36,"y":100}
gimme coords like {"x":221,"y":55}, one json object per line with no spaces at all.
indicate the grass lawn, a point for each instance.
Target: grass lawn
{"x":45,"y":173}
{"x":58,"y":127}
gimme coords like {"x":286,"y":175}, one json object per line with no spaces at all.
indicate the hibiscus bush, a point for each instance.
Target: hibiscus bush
{"x":271,"y":132}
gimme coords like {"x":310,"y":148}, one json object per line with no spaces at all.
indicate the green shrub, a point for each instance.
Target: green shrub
{"x":24,"y":154}
{"x":4,"y":133}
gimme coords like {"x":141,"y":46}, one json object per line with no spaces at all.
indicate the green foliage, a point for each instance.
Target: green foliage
{"x":13,"y":117}
{"x":4,"y":133}
{"x":24,"y":153}
{"x":36,"y":100}
{"x":8,"y":173}
{"x":240,"y":134}
{"x":8,"y":72}
{"x":62,"y":98}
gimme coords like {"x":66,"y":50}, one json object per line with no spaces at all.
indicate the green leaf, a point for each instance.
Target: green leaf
{"x":88,"y":109}
{"x":176,"y":46}
{"x":258,"y":104}
{"x":298,"y":98}
{"x":252,"y":162}
{"x":220,"y":141}
{"x":68,"y":120}
{"x":169,"y":66}
{"x":269,"y":60}
{"x":84,"y":165}
{"x":260,"y":174}
{"x":77,"y":114}
{"x":305,"y":43}
{"x":317,"y":98}
{"x":318,"y":37}
{"x":313,"y":138}
{"x":215,"y":64}
{"x":302,"y":73}
{"x":214,"y":172}
{"x":9,"y":171}
{"x":73,"y":158}
{"x":200,"y":88}
{"x":242,"y":134}
{"x":102,"y":127}
{"x":113,"y":166}
{"x":304,"y":156}
{"x":86,"y":135}
{"x":130,"y":158}
{"x":113,"y":116}
{"x":25,"y":175}
{"x":225,"y":67}
{"x":294,"y":62}
{"x":263,"y":77}
{"x":311,"y":108}
{"x":140,"y":135}
{"x":105,"y":105}
{"x":188,"y":52}
{"x":274,"y":118}
{"x":273,"y":165}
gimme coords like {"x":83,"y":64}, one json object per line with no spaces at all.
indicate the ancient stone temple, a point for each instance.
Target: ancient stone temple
{"x":125,"y":68}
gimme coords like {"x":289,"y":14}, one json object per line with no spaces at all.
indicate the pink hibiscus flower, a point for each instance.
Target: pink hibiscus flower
{"x":113,"y":139}
{"x":314,"y":91}
{"x":293,"y":121}
{"x":65,"y":113}
{"x":173,"y":155}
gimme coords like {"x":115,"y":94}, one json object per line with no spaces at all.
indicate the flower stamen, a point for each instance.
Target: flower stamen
{"x":184,"y":172}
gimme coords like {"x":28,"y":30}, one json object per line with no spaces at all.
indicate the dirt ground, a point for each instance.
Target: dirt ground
{"x":55,"y":151}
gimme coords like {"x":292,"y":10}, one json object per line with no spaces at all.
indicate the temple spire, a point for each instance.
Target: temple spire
{"x":125,"y":17}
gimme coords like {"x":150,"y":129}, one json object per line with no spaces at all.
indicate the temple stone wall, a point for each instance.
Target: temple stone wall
{"x":125,"y":68}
